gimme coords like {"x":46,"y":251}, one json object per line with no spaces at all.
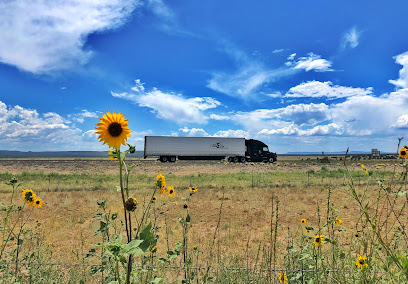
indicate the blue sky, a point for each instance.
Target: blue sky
{"x":298,"y":75}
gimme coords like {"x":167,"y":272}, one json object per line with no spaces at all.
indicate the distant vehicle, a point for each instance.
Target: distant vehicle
{"x":171,"y":148}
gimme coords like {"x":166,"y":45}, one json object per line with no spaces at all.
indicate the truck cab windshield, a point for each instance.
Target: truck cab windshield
{"x":265,"y":149}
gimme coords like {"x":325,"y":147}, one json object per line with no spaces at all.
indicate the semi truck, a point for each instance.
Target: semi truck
{"x":171,"y":148}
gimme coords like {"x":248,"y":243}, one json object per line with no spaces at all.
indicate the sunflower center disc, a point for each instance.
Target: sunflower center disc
{"x":115,"y":129}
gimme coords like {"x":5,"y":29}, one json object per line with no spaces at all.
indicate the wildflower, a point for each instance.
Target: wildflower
{"x":193,"y":189}
{"x":161,"y":183}
{"x":361,"y":262}
{"x":319,"y":240}
{"x":283,"y":278}
{"x":28,"y":196}
{"x":170,"y":190}
{"x":38,"y":202}
{"x":113,"y":129}
{"x":308,"y":232}
{"x":194,"y":247}
{"x":303,"y":221}
{"x":130,"y":204}
{"x":337,"y":222}
{"x":403,"y":153}
{"x":111,"y":155}
{"x":154,"y":198}
{"x":185,"y":206}
{"x":364,"y":168}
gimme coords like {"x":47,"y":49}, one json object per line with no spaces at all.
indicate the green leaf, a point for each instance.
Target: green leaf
{"x":114,"y":216}
{"x":129,"y":168}
{"x":147,"y":237}
{"x":118,"y":188}
{"x":188,"y":219}
{"x":157,"y":280}
{"x":133,"y":248}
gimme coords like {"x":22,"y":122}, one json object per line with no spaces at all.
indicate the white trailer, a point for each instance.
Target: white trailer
{"x":169,"y":148}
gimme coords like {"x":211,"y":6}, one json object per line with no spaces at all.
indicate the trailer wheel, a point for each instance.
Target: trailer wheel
{"x":242,"y":160}
{"x":230,"y":159}
{"x":235,"y":159}
{"x":163,"y":159}
{"x":172,"y":159}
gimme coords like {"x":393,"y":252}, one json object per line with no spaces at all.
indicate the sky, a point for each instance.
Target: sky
{"x":301,"y":76}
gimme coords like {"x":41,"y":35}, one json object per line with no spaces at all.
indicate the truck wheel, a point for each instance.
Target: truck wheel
{"x":243,"y":160}
{"x":163,"y":159}
{"x":235,"y":159}
{"x":230,"y":159}
{"x":271,"y":160}
{"x":172,"y":159}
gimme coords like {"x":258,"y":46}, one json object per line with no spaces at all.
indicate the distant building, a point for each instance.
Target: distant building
{"x":375,"y":154}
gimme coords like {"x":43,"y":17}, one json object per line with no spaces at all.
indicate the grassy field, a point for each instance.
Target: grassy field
{"x":235,"y":215}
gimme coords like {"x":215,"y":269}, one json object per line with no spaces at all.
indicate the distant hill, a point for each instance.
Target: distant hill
{"x":60,"y":154}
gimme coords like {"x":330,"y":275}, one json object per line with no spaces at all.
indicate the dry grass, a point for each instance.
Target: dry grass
{"x":66,"y":216}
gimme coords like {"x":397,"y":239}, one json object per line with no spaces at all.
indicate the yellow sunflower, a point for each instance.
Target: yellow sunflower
{"x":364,"y":168}
{"x":303,"y":221}
{"x":111,"y":155}
{"x":28,"y":196}
{"x":185,"y":206}
{"x":361,"y":262}
{"x":38,"y":202}
{"x":307,"y":232}
{"x":170,"y":191}
{"x":193,"y":189}
{"x":337,"y":222}
{"x":154,"y":198}
{"x":113,"y":129}
{"x":403,"y":153}
{"x":161,"y":183}
{"x":283,"y":278}
{"x":319,"y":240}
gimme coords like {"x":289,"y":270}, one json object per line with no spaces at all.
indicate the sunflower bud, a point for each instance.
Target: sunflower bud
{"x":130,"y":204}
{"x":132,"y":149}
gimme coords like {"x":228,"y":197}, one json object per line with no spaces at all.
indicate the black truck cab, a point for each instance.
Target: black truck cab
{"x":257,"y":151}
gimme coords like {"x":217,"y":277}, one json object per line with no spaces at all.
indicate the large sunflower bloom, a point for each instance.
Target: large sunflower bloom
{"x":113,"y":129}
{"x":28,"y":196}
{"x":403,"y":153}
{"x":319,"y":240}
{"x":361,"y":262}
{"x":283,"y":278}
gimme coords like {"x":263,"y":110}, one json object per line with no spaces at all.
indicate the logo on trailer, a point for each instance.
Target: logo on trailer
{"x":218,"y":145}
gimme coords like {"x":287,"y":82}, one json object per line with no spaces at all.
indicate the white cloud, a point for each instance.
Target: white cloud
{"x":193,"y":132}
{"x":300,"y":115}
{"x":319,"y":130}
{"x":219,"y":117}
{"x":316,"y":89}
{"x":232,"y":133}
{"x":350,"y":38}
{"x":80,"y":117}
{"x":171,"y":106}
{"x":278,"y":50}
{"x":402,"y":81}
{"x":44,"y":36}
{"x":310,"y":62}
{"x":402,"y":122}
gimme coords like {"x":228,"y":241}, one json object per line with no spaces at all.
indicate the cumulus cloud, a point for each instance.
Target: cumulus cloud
{"x":402,"y":81}
{"x":80,"y":117}
{"x":310,"y":62}
{"x":319,"y":130}
{"x":192,"y":132}
{"x":402,"y":122}
{"x":43,"y":36}
{"x":316,"y":89}
{"x":232,"y":133}
{"x":219,"y":117}
{"x":351,"y":38}
{"x":199,"y":132}
{"x":170,"y":106}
